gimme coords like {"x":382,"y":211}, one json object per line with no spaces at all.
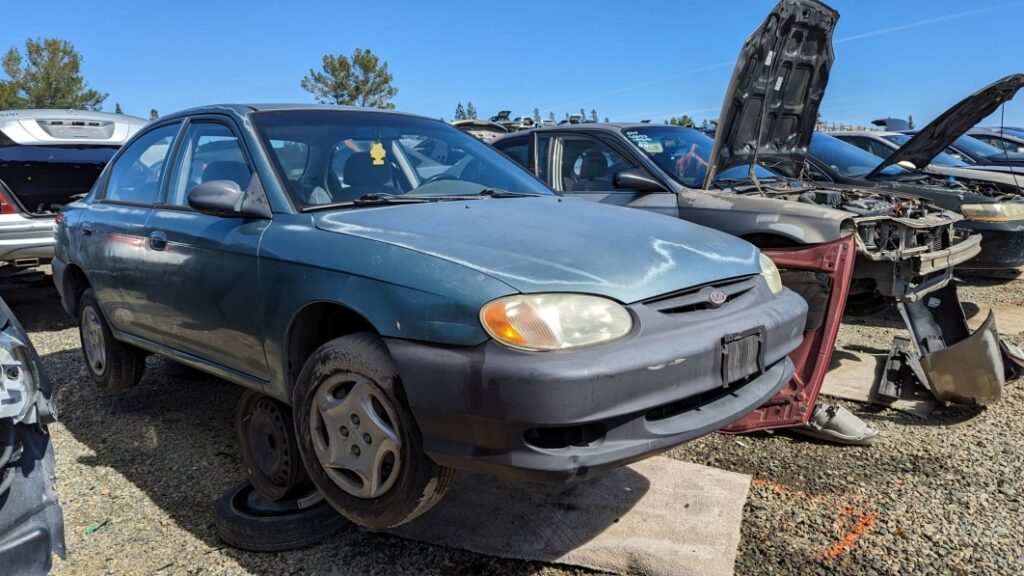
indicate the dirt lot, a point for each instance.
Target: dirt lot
{"x":139,"y":472}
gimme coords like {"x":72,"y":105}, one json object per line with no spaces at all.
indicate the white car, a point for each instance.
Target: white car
{"x":47,"y":158}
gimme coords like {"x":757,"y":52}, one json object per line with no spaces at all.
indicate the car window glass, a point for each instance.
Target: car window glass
{"x":137,"y":173}
{"x":544,"y":158}
{"x":293,"y":157}
{"x":518,"y":150}
{"x":588,"y":164}
{"x":210,"y":151}
{"x":351,"y":156}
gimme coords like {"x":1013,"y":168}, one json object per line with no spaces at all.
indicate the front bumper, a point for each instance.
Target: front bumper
{"x":25,"y":239}
{"x":556,"y":417}
{"x":1002,"y":244}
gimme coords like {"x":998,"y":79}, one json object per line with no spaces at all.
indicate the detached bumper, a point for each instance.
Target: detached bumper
{"x":955,"y":255}
{"x":556,"y":417}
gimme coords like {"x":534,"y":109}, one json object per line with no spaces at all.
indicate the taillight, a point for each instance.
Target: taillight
{"x":59,"y":218}
{"x":6,"y":206}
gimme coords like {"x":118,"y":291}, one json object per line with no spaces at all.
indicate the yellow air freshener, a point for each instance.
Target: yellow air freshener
{"x":378,"y":154}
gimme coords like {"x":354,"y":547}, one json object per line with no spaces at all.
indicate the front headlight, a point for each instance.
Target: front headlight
{"x":993,"y":212}
{"x":554,"y":321}
{"x":771,"y":274}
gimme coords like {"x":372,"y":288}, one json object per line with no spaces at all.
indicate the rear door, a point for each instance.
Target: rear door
{"x":113,"y":230}
{"x":201,"y":270}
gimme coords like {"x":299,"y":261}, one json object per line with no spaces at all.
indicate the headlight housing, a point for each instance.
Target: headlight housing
{"x":771,"y":275}
{"x":541,"y":322}
{"x":995,"y":212}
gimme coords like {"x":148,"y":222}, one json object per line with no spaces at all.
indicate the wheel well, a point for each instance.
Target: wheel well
{"x":762,"y":240}
{"x":312,"y":327}
{"x":75,"y":283}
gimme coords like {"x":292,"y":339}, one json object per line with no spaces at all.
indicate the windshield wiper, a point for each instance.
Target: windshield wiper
{"x":368,"y":200}
{"x":483,"y":194}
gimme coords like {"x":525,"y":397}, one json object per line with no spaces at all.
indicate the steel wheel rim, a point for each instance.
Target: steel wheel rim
{"x":265,"y":440}
{"x":93,"y":341}
{"x":356,"y":435}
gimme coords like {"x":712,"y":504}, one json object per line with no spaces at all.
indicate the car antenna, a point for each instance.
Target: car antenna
{"x":1006,"y":154}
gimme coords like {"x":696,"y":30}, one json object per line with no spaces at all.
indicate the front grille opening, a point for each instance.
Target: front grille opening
{"x":697,"y":299}
{"x":691,"y":403}
{"x":565,"y":436}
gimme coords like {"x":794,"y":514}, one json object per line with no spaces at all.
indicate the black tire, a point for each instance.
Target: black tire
{"x":419,"y":483}
{"x":244,"y":521}
{"x":123,"y":365}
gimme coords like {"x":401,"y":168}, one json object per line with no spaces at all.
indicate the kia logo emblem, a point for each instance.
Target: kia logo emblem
{"x":717,"y":297}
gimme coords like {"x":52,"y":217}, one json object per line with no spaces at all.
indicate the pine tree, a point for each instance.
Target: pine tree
{"x":117,"y":108}
{"x":606,"y":120}
{"x":470,"y":111}
{"x":153,"y":114}
{"x":910,"y":121}
{"x":593,"y":114}
{"x":536,"y":115}
{"x":360,"y":80}
{"x":551,"y":116}
{"x":460,"y":112}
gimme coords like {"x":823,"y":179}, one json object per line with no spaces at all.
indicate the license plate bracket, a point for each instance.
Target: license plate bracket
{"x":742,"y":355}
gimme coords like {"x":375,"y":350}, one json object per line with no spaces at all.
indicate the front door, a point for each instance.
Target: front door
{"x":202,"y":268}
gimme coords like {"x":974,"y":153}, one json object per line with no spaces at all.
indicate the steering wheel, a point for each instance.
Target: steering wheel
{"x":439,"y":177}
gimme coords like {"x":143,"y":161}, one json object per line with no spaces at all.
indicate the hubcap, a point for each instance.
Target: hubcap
{"x":93,"y":342}
{"x":356,"y":436}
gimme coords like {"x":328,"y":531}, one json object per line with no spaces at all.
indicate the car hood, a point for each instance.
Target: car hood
{"x":550,"y":244}
{"x":771,"y":105}
{"x":953,"y":123}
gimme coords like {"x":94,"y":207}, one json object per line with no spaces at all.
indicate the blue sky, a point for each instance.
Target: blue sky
{"x":628,"y":59}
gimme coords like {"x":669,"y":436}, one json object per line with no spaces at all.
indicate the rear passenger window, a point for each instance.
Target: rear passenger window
{"x":136,"y":175}
{"x":210,"y":152}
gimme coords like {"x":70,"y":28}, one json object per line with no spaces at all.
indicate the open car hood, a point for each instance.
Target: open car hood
{"x":953,"y":123}
{"x":772,"y":103}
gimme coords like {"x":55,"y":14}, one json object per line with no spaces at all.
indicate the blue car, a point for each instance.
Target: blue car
{"x":407,"y":302}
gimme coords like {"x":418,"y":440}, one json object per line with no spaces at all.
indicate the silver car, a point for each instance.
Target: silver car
{"x":48,"y":158}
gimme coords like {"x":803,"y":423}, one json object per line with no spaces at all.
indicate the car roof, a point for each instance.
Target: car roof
{"x":588,"y":126}
{"x":245,"y":109}
{"x":863,"y":133}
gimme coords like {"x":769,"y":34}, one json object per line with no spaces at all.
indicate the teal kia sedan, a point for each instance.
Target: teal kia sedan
{"x":416,"y":301}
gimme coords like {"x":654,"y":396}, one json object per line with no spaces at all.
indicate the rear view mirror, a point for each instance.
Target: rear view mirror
{"x":221,"y":198}
{"x":637,"y":179}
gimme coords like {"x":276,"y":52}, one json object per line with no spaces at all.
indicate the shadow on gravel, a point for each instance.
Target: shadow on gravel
{"x":172,"y":436}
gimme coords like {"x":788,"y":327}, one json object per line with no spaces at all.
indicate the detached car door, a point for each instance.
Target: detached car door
{"x":202,"y":269}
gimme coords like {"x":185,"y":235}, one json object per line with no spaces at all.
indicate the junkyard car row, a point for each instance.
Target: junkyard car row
{"x":404,"y":300}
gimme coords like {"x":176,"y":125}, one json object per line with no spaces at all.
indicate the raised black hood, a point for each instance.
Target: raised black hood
{"x":953,"y":123}
{"x":772,"y":103}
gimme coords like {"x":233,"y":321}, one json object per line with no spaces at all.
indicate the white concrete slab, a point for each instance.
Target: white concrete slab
{"x":855,"y":376}
{"x":658,"y":517}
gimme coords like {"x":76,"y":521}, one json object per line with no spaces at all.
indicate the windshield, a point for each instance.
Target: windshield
{"x":683,"y":154}
{"x":331,"y":156}
{"x":943,"y":158}
{"x":976,"y":148}
{"x":846,"y":159}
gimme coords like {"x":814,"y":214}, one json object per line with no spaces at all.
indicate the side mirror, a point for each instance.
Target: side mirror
{"x":907,"y":164}
{"x":222,"y":198}
{"x":637,"y":179}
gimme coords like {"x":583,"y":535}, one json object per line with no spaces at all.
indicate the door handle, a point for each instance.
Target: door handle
{"x":157,"y":240}
{"x":86,"y":229}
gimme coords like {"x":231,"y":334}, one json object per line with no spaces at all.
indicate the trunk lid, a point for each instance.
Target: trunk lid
{"x":953,"y":123}
{"x":771,"y":105}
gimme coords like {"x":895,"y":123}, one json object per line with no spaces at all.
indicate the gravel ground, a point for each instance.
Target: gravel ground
{"x":139,"y":472}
